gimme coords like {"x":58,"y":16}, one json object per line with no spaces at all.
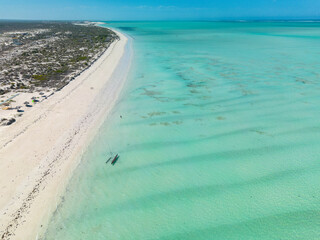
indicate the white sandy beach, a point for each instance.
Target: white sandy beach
{"x":39,"y":152}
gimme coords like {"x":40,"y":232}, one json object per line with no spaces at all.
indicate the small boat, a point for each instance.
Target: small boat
{"x":115,"y":159}
{"x":108,"y":160}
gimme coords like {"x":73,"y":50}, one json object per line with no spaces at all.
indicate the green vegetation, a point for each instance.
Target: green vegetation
{"x":49,"y":54}
{"x":61,"y":70}
{"x":80,"y":58}
{"x":40,"y":77}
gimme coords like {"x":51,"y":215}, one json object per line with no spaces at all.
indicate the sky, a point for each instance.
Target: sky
{"x":159,"y":9}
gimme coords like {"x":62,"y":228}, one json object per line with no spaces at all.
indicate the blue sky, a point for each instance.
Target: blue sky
{"x":158,"y":9}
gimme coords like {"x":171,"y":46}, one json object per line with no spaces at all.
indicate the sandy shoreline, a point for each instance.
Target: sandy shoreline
{"x":39,"y":153}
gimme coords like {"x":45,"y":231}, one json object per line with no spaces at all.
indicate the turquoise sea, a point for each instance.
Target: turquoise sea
{"x":219,"y":138}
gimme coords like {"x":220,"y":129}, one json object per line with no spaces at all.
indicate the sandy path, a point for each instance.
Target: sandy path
{"x":39,"y":153}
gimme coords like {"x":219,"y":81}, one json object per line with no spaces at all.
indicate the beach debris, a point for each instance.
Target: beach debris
{"x":10,"y":121}
{"x":2,"y":120}
{"x":7,"y":122}
{"x":7,"y":102}
{"x":19,"y":109}
{"x":34,"y":100}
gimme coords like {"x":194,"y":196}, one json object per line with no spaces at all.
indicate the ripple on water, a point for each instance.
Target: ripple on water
{"x":218,"y":141}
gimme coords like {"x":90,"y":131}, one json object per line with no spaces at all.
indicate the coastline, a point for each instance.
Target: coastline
{"x":40,"y":153}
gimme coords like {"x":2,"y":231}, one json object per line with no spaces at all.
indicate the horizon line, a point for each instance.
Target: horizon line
{"x":253,"y":19}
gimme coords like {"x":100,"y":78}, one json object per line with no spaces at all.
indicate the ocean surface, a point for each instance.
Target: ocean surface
{"x":218,"y":132}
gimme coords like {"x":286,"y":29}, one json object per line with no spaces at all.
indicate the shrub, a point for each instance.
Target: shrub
{"x":39,"y":77}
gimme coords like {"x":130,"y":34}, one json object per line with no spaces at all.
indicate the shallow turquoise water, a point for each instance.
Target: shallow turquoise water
{"x":219,"y":138}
